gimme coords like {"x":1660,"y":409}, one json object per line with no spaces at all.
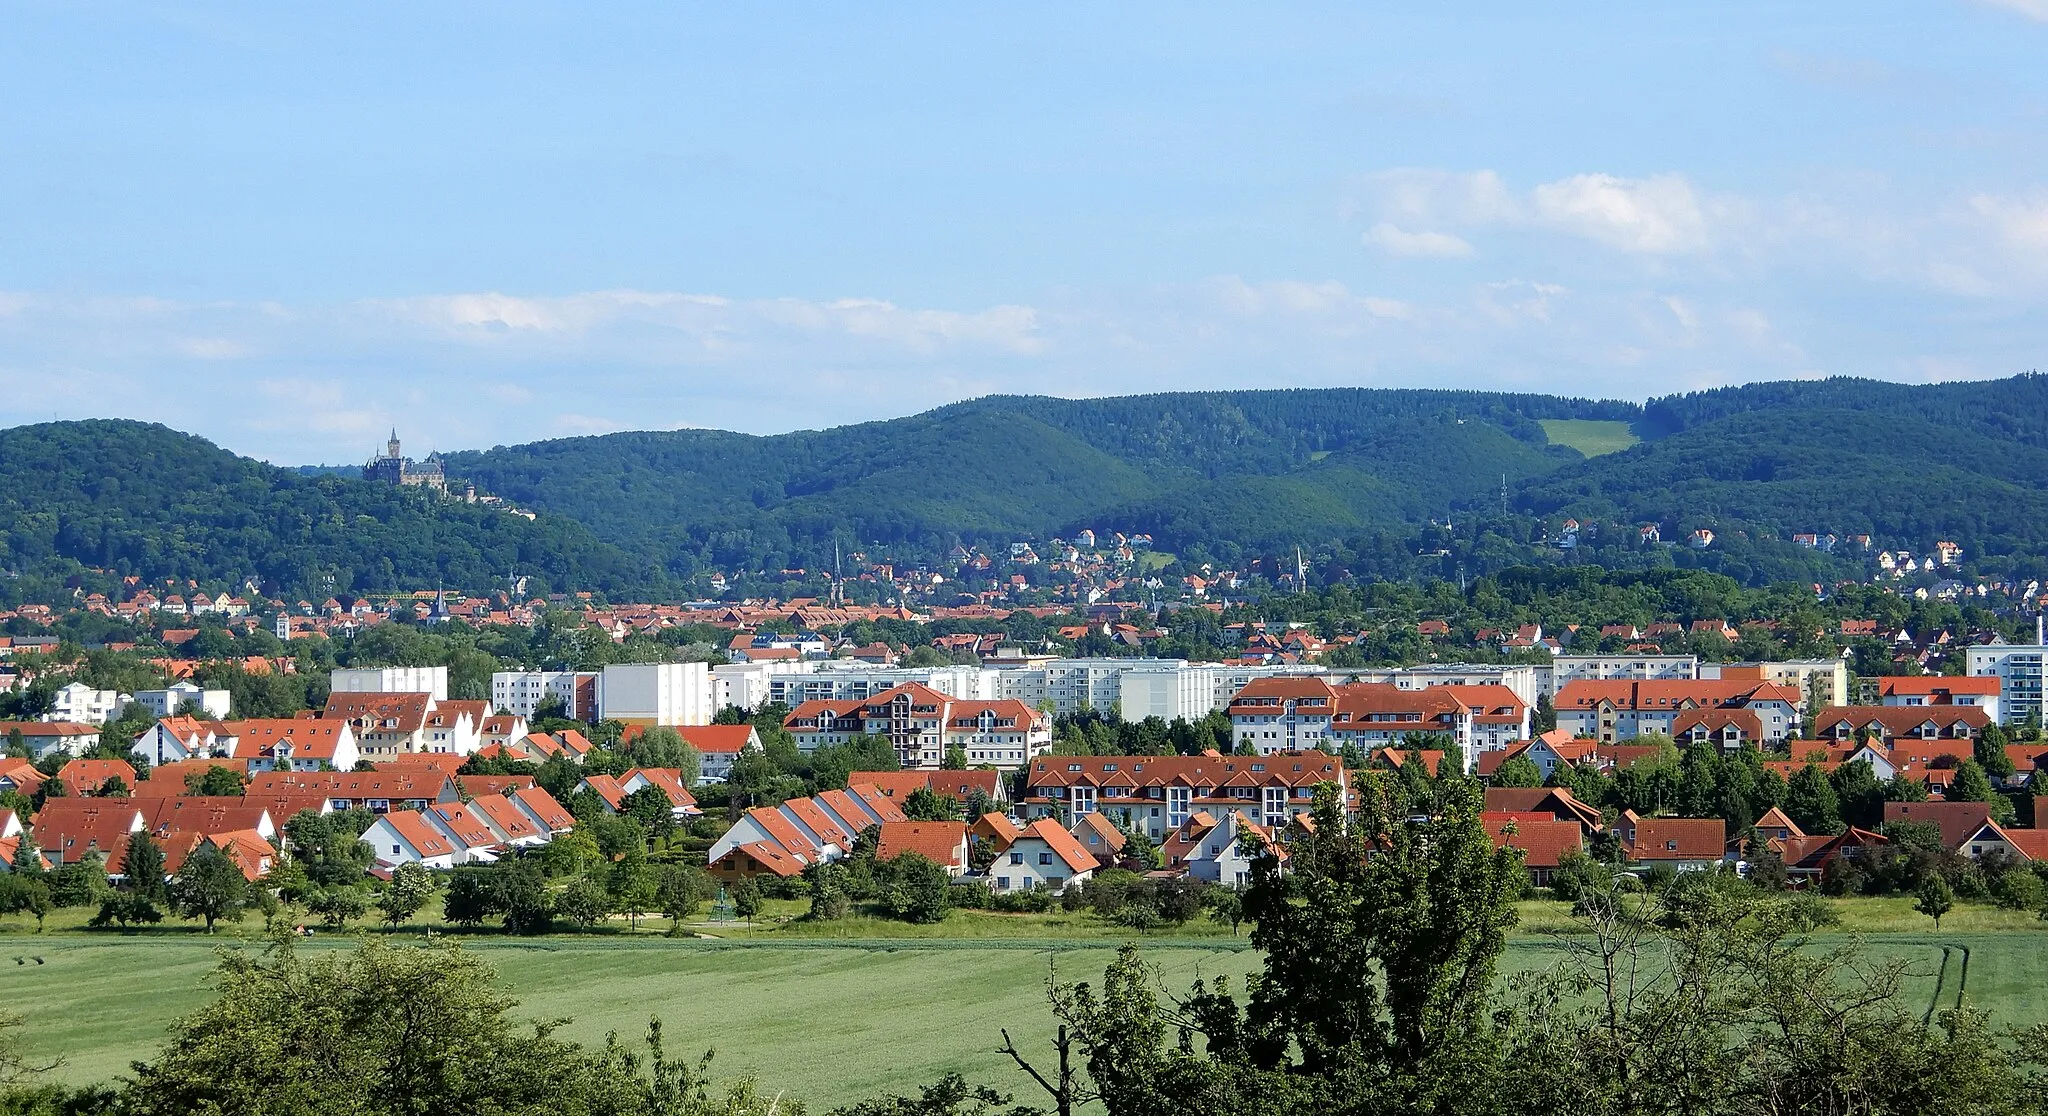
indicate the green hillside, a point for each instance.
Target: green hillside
{"x":132,"y":497}
{"x":1591,"y":437}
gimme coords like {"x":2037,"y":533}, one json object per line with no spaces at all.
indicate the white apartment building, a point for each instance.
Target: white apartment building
{"x":1525,"y":679}
{"x":524,"y":691}
{"x":656,"y":694}
{"x":1169,"y":693}
{"x":1824,"y":679}
{"x":183,"y":697}
{"x":1567,"y":669}
{"x":2017,"y":666}
{"x":391,"y":680}
{"x":81,"y":704}
{"x":840,"y":681}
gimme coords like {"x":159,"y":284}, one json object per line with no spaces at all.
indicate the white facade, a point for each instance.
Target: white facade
{"x":839,"y":681}
{"x":656,"y":693}
{"x":84,"y":705}
{"x":1184,"y":693}
{"x":183,"y":697}
{"x":1030,"y":864}
{"x":1825,"y":679}
{"x":391,"y":680}
{"x":1566,"y":669}
{"x":2018,"y":670}
{"x":1526,"y":680}
{"x":524,"y":691}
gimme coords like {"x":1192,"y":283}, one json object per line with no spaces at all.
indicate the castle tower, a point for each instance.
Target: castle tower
{"x":391,"y":447}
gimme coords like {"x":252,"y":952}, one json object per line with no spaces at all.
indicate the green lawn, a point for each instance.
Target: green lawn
{"x":837,"y":1013}
{"x":1591,"y":437}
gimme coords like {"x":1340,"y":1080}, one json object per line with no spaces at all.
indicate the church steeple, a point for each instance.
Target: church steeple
{"x":391,"y":447}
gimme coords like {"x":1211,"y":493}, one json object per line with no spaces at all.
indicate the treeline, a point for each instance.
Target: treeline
{"x":138,"y":498}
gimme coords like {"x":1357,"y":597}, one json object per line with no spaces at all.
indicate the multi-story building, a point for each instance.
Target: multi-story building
{"x":524,"y":691}
{"x":1623,"y":710}
{"x":80,"y":703}
{"x":656,"y":694}
{"x":1567,"y":669}
{"x":1936,"y":689}
{"x":1297,"y":714}
{"x":1526,"y":680}
{"x":922,"y":723}
{"x":184,"y":697}
{"x":2018,"y":670}
{"x":1155,"y":795}
{"x":388,"y":725}
{"x":1824,"y":681}
{"x":431,"y":680}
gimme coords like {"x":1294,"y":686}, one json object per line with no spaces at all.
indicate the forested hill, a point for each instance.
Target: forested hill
{"x":1221,"y":472}
{"x":1249,"y":467}
{"x":139,"y":498}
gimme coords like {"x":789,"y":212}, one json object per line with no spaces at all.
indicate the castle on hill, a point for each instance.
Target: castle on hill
{"x":393,"y":467}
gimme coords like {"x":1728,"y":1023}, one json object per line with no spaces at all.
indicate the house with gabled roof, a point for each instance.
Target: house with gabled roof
{"x":292,"y":744}
{"x":84,"y":777}
{"x":20,"y":775}
{"x":1043,"y":857}
{"x":1099,"y":836}
{"x":1153,"y":795}
{"x":1543,"y":840}
{"x":1890,"y":723}
{"x":1611,"y":710}
{"x":1211,"y":849}
{"x":377,"y":791}
{"x":474,"y":839}
{"x":173,"y":739}
{"x":718,"y":746}
{"x":1556,"y":803}
{"x":942,"y":843}
{"x":407,"y":837}
{"x":512,"y":825}
{"x":2023,"y":845}
{"x":1686,"y":844}
{"x":204,"y":814}
{"x":69,"y":829}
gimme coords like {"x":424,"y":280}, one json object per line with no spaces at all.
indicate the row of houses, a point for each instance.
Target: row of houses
{"x":1288,"y":714}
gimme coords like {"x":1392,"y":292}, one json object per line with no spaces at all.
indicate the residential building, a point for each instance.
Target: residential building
{"x":898,"y":786}
{"x":923,"y":723}
{"x":1526,"y":680}
{"x":783,"y":840}
{"x":183,"y":697}
{"x":1293,"y":714}
{"x":1624,"y":710}
{"x":1543,"y":841}
{"x":1566,"y":669}
{"x":1685,"y":844}
{"x":669,"y":694}
{"x":84,"y":705}
{"x":1154,"y":795}
{"x":1044,"y":857}
{"x":1823,"y":681}
{"x":943,"y":843}
{"x":391,"y":680}
{"x":1209,"y":849}
{"x":290,"y":744}
{"x":392,"y":723}
{"x":2018,"y":670}
{"x":407,"y":837}
{"x":1935,"y":689}
{"x":525,"y":691}
{"x":1887,"y":723}
{"x":176,"y":739}
{"x":718,"y":746}
{"x":43,"y":738}
{"x":377,"y":791}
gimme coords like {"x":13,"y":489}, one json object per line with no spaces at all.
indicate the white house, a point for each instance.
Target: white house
{"x":475,"y":841}
{"x":183,"y":697}
{"x":45,"y":737}
{"x":81,"y":703}
{"x":1043,"y":857}
{"x":718,"y":746}
{"x":173,"y":739}
{"x":406,"y":837}
{"x":1206,"y":849}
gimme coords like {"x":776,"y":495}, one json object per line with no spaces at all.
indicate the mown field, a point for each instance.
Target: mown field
{"x":1591,"y":437}
{"x":827,"y":1021}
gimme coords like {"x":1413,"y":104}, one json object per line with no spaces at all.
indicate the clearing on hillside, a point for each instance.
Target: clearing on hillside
{"x":1591,"y":437}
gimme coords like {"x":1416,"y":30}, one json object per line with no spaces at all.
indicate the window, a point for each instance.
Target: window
{"x":1016,"y":858}
{"x":1045,"y":858}
{"x":394,"y":850}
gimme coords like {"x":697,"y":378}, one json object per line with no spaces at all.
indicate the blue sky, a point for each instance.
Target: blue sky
{"x":288,"y":228}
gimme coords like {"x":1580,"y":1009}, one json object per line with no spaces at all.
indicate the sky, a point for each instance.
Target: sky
{"x":290,"y":228}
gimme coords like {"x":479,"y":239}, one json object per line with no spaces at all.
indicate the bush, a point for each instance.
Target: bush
{"x":1022,"y":902}
{"x":973,"y":895}
{"x":2019,"y":890}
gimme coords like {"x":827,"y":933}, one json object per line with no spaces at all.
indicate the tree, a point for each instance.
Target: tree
{"x":410,"y":887}
{"x":472,"y":897}
{"x":1517,"y":771}
{"x":210,"y":887}
{"x":217,"y":779}
{"x":22,"y":893}
{"x":680,"y":894}
{"x":143,"y":864}
{"x":112,"y":787}
{"x":1226,"y":904}
{"x":631,"y":885}
{"x":926,"y":804}
{"x":1935,"y":898}
{"x":828,"y":892}
{"x":1970,"y":784}
{"x":523,"y":898}
{"x":956,"y":758}
{"x":337,"y":905}
{"x":746,"y":898}
{"x":650,"y":806}
{"x":1810,"y":801}
{"x":81,"y":883}
{"x":664,"y":747}
{"x":920,"y":891}
{"x":584,"y":902}
{"x":374,"y":1029}
{"x":1989,"y":752}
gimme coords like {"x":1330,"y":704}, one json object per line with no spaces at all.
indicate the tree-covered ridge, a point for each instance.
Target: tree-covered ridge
{"x":132,"y":497}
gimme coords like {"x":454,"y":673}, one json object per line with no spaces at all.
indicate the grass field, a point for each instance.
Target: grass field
{"x":837,"y":1013}
{"x":1591,"y":437}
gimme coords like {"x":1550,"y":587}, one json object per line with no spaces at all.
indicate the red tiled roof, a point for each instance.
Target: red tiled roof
{"x":943,"y":843}
{"x":417,"y":832}
{"x":720,"y":739}
{"x":1543,"y":841}
{"x":1062,"y":844}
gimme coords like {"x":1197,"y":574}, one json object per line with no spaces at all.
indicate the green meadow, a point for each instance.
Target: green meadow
{"x":1592,"y":437}
{"x":825,"y":1021}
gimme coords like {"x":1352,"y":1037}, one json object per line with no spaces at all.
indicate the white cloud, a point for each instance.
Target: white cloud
{"x":1396,"y":241}
{"x":2036,"y":10}
{"x":1659,"y":215}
